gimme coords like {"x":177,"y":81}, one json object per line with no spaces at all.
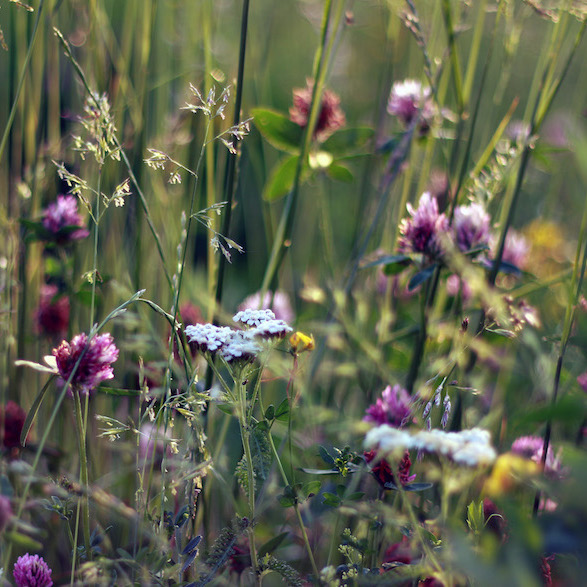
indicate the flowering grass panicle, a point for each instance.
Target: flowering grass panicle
{"x":330,"y":118}
{"x":32,"y":571}
{"x":95,"y":360}
{"x":421,"y":233}
{"x":393,"y":407}
{"x":60,"y":219}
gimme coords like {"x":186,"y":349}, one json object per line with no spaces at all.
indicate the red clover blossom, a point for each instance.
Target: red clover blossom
{"x":421,"y":233}
{"x":32,"y":571}
{"x":393,"y":407}
{"x":95,"y":365}
{"x":330,"y":118}
{"x":61,"y":216}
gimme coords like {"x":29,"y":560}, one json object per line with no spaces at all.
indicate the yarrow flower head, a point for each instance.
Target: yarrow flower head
{"x":251,"y":317}
{"x":470,"y":448}
{"x":61,"y":217}
{"x":95,"y":364}
{"x":272,"y":329}
{"x":330,"y":118}
{"x":407,"y":98}
{"x":32,"y":571}
{"x":471,"y":227}
{"x":240,"y":346}
{"x":278,"y":302}
{"x":208,"y":337}
{"x":393,"y":407}
{"x":421,"y":233}
{"x":52,"y":315}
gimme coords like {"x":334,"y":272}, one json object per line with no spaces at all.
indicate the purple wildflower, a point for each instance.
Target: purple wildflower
{"x":330,"y":118}
{"x":582,"y":381}
{"x":52,"y":315}
{"x":278,"y":302}
{"x":152,"y":442}
{"x":61,"y":216}
{"x":95,"y":365}
{"x":515,"y":250}
{"x":393,"y":407}
{"x":32,"y":571}
{"x":409,"y":97}
{"x":471,"y":227}
{"x":532,"y":447}
{"x":421,"y":233}
{"x":455,"y":286}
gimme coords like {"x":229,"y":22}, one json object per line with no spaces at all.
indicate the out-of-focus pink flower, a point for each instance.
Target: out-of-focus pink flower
{"x":515,"y":251}
{"x":407,"y":98}
{"x":32,"y":571}
{"x":12,"y":418}
{"x":582,"y":381}
{"x":421,"y":233}
{"x":471,"y":226}
{"x":532,"y":447}
{"x":53,"y":313}
{"x":95,"y":365}
{"x":330,"y":118}
{"x":455,"y":285}
{"x":277,"y":302}
{"x":61,"y":216}
{"x":393,"y":407}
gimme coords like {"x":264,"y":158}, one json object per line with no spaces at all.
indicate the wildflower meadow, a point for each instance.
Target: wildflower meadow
{"x":293,"y":292}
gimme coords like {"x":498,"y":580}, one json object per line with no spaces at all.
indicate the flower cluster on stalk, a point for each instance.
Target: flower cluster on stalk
{"x":32,"y":571}
{"x":238,"y":345}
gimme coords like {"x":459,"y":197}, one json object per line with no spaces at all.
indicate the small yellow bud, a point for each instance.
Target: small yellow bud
{"x":301,"y":342}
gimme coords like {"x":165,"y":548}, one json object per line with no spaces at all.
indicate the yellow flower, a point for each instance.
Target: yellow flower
{"x":509,"y":471}
{"x":301,"y":342}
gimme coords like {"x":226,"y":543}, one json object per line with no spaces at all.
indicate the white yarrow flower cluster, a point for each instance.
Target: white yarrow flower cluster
{"x":253,"y":317}
{"x":469,"y":448}
{"x":208,"y":337}
{"x":241,"y":346}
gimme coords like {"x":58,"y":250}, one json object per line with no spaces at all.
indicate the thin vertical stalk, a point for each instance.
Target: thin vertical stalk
{"x":232,"y":159}
{"x":21,"y":80}
{"x":84,"y":478}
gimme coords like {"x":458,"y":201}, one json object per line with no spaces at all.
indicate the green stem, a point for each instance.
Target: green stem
{"x":21,"y":80}
{"x":231,"y":160}
{"x":85,"y":505}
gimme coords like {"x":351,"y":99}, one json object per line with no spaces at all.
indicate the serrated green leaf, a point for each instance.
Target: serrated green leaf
{"x":278,"y":129}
